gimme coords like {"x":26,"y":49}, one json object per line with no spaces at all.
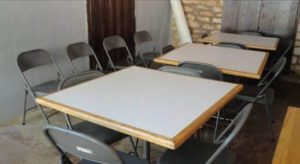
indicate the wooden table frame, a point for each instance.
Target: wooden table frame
{"x":171,"y":143}
{"x":212,"y":40}
{"x":257,"y":75}
{"x":288,"y":146}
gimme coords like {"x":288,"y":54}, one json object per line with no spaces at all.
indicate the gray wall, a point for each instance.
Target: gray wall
{"x":154,"y":16}
{"x":25,"y":25}
{"x":52,"y":25}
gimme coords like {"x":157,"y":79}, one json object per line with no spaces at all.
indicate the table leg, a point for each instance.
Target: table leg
{"x":146,"y":152}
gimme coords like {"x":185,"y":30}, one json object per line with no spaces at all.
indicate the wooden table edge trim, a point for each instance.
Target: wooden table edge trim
{"x":280,"y":153}
{"x":276,"y":43}
{"x":263,"y":64}
{"x":111,"y":124}
{"x":195,"y":125}
{"x":225,"y":71}
{"x":246,"y":45}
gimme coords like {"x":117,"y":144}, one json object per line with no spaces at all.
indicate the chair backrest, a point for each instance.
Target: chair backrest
{"x":273,"y":73}
{"x":251,"y":33}
{"x":142,"y":36}
{"x":81,"y":145}
{"x":231,"y":131}
{"x":77,"y":79}
{"x":144,"y":42}
{"x":205,"y":70}
{"x":230,"y":45}
{"x":181,"y":71}
{"x":81,"y":49}
{"x":115,"y":42}
{"x":33,"y":59}
{"x":289,"y":45}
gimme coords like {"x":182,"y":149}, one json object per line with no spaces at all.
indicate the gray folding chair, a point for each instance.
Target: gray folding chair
{"x":29,"y":60}
{"x":146,"y":47}
{"x":81,"y":50}
{"x":180,"y":71}
{"x":251,"y":33}
{"x":282,"y":53}
{"x":230,"y":45}
{"x":117,"y":42}
{"x":289,"y":46}
{"x":104,"y":134}
{"x":90,"y":150}
{"x":206,"y":71}
{"x":193,"y":152}
{"x":261,"y":93}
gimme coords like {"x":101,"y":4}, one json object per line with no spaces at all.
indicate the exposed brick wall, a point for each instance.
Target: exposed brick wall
{"x":296,"y":57}
{"x":203,"y":17}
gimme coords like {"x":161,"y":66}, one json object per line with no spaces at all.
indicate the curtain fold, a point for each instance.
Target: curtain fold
{"x":110,"y":17}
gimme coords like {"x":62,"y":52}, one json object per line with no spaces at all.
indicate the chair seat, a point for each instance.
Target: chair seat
{"x":122,"y":64}
{"x":249,"y":93}
{"x":149,"y":56}
{"x":104,"y":134}
{"x":193,"y":152}
{"x":229,"y":45}
{"x":46,"y":88}
{"x":127,"y":159}
{"x":250,"y":33}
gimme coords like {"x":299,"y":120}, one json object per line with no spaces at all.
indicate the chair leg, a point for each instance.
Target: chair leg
{"x":25,"y":108}
{"x":69,"y":124}
{"x":149,"y":65}
{"x":269,"y":117}
{"x":134,"y":146}
{"x":146,"y":152}
{"x":145,"y":63}
{"x":143,"y":60}
{"x":216,"y":126}
{"x":43,"y":113}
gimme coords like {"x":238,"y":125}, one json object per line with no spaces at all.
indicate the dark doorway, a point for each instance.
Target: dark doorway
{"x":110,"y":17}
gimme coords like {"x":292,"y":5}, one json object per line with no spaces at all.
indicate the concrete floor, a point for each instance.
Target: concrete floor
{"x":27,"y":145}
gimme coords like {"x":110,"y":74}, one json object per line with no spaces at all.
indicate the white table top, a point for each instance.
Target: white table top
{"x":244,"y":63}
{"x":158,"y":107}
{"x":255,"y":42}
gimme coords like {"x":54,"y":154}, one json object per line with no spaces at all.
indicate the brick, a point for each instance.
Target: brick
{"x":298,"y":60}
{"x":206,"y":13}
{"x":219,"y":15}
{"x":217,"y":9}
{"x":190,"y":1}
{"x":194,"y":24}
{"x":210,"y":2}
{"x":208,"y":27}
{"x":202,"y":7}
{"x":204,"y":19}
{"x":196,"y":31}
{"x":190,"y":16}
{"x":297,"y":70}
{"x":188,"y":9}
{"x":217,"y":20}
{"x":294,"y":60}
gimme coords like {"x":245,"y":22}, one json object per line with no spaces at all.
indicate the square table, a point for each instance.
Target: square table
{"x":159,"y":107}
{"x":249,"y":41}
{"x":244,"y":63}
